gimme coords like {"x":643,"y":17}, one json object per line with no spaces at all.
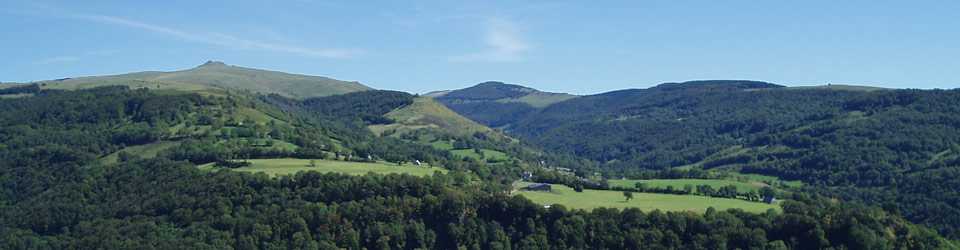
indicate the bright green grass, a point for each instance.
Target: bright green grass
{"x":253,"y":114}
{"x":488,"y":154}
{"x":679,"y":183}
{"x":427,"y":113}
{"x":442,"y":145}
{"x":590,"y":199}
{"x":286,"y":166}
{"x":493,"y":154}
{"x":460,"y":153}
{"x":766,"y":178}
{"x":144,"y":151}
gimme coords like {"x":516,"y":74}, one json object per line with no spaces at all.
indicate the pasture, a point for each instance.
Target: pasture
{"x":590,"y":199}
{"x":143,"y":151}
{"x":487,"y":154}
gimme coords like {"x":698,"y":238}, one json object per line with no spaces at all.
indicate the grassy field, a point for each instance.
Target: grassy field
{"x":679,"y":183}
{"x":144,"y":151}
{"x":291,"y":166}
{"x":448,"y":145}
{"x":442,"y":145}
{"x":590,"y":199}
{"x":543,"y":99}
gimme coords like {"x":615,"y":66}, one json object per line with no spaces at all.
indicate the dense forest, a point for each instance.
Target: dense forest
{"x":892,"y":148}
{"x":157,"y":203}
{"x":59,"y":192}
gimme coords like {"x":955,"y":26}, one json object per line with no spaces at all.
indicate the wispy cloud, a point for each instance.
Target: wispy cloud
{"x":250,"y":44}
{"x":221,"y":39}
{"x":59,"y":59}
{"x":105,"y":52}
{"x":503,"y":39}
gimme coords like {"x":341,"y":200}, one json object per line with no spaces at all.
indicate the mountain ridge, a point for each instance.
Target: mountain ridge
{"x":217,"y":75}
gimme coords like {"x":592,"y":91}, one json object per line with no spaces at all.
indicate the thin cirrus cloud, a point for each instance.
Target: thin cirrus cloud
{"x":223,"y":40}
{"x":59,"y":59}
{"x":504,"y":44}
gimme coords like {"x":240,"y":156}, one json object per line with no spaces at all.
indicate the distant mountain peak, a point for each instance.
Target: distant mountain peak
{"x":217,"y":74}
{"x":213,"y":64}
{"x":498,"y":93}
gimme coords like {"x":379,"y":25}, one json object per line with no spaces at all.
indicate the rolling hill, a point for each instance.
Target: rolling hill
{"x":217,"y":75}
{"x":427,"y":113}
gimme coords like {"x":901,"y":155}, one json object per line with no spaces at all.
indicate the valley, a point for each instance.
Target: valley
{"x":215,"y":156}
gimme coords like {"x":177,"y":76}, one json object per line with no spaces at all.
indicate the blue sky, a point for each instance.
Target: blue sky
{"x":580,"y":47}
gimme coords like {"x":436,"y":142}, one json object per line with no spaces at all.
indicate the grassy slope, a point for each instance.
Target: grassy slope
{"x":217,"y":75}
{"x":442,"y":145}
{"x":143,"y":151}
{"x":291,"y":166}
{"x":541,"y":99}
{"x":590,"y":199}
{"x":427,"y":113}
{"x":240,"y":114}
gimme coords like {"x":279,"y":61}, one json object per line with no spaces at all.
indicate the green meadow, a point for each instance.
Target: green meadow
{"x":142,"y":151}
{"x":590,"y":199}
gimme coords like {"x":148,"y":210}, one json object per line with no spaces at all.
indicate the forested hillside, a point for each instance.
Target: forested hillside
{"x":60,"y":191}
{"x":891,"y":148}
